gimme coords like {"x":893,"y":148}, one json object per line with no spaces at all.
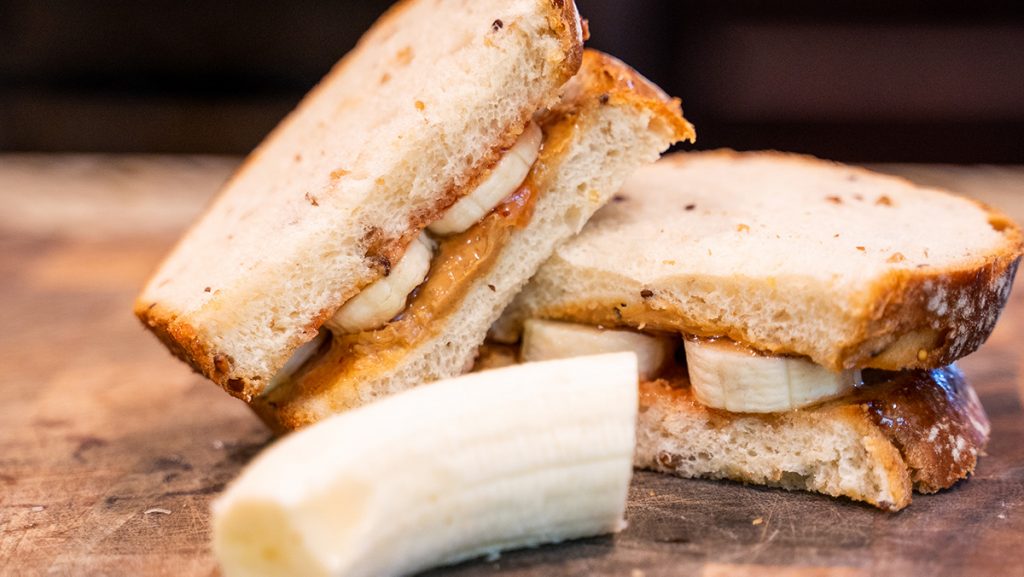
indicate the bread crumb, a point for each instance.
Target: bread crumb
{"x":641,"y":326}
{"x":834,"y":199}
{"x":690,"y":207}
{"x":922,"y":355}
{"x":311,"y":199}
{"x":860,"y":248}
{"x":757,"y":521}
{"x":157,"y":511}
{"x":896,"y":257}
{"x":669,"y":262}
{"x":338,"y":173}
{"x":420,"y":105}
{"x":883,"y":201}
{"x":404,"y":56}
{"x":742,"y":228}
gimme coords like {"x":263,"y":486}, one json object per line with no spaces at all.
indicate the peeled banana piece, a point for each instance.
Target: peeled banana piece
{"x":378,"y":303}
{"x":504,"y":179}
{"x":513,"y":457}
{"x":727,"y":375}
{"x":545,"y":340}
{"x":298,"y":358}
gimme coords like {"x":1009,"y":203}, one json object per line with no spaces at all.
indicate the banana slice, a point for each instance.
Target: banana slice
{"x":298,"y":358}
{"x":546,"y":340}
{"x":504,"y":179}
{"x":727,"y":375}
{"x":378,"y":303}
{"x":514,"y":457}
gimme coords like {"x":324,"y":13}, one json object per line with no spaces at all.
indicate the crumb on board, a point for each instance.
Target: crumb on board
{"x":156,"y":511}
{"x":757,"y":521}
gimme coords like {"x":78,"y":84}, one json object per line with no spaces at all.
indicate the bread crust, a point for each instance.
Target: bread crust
{"x":603,"y":81}
{"x":923,"y":430}
{"x":922,"y":318}
{"x":185,"y":334}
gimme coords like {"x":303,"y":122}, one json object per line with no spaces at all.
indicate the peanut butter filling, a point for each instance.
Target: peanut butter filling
{"x":459,"y":261}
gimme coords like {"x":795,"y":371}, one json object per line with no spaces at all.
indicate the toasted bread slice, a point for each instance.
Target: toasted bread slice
{"x":918,"y":430}
{"x":392,"y":136}
{"x":790,"y":255}
{"x":610,"y":121}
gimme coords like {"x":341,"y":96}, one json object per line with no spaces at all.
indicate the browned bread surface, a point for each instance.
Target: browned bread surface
{"x":918,"y":430}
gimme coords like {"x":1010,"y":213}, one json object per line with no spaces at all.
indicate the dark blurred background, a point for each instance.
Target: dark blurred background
{"x":859,"y":81}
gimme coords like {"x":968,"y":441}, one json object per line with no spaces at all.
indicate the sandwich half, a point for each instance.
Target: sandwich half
{"x":367,"y":244}
{"x":796,"y":320}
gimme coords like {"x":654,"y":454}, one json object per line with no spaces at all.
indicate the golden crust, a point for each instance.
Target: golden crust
{"x":566,"y":22}
{"x":923,"y":318}
{"x":923,"y":429}
{"x":612,"y":81}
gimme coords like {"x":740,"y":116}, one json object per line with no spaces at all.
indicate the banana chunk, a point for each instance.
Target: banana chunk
{"x":378,"y":303}
{"x":504,"y":179}
{"x":727,"y":375}
{"x":298,"y":358}
{"x":546,"y":340}
{"x":508,"y":458}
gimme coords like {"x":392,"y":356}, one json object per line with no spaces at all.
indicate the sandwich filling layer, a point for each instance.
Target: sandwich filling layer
{"x":723,"y":373}
{"x":706,"y":403}
{"x":400,"y":309}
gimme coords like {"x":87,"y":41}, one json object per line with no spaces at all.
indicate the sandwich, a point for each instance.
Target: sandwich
{"x":797,"y":321}
{"x":370,"y":241}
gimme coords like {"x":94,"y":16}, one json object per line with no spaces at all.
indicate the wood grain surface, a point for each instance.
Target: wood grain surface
{"x":110,"y":450}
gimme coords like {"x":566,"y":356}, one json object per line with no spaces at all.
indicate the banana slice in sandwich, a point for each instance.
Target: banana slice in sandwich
{"x":298,"y":358}
{"x":379,"y":302}
{"x":514,"y":457}
{"x":503,"y":180}
{"x":546,"y":340}
{"x":727,"y":375}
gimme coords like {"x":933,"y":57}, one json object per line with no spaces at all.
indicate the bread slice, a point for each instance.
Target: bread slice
{"x":789,"y":254}
{"x":391,"y":137}
{"x":917,"y":430}
{"x":610,"y":121}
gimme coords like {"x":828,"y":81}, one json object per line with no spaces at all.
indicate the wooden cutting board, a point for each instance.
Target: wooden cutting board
{"x":110,"y":450}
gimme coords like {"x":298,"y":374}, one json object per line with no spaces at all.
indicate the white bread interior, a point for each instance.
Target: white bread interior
{"x":788,"y":254}
{"x":611,"y":121}
{"x":394,"y":134}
